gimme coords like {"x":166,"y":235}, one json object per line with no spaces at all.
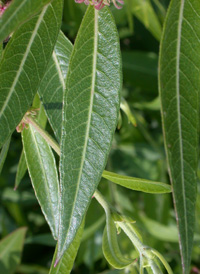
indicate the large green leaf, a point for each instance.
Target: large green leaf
{"x":18,"y":12}
{"x":42,"y":170}
{"x":66,"y":263}
{"x":144,"y":11}
{"x":91,"y":107}
{"x":53,"y":84}
{"x":137,"y":183}
{"x":10,"y":251}
{"x":179,"y":91}
{"x":23,"y":65}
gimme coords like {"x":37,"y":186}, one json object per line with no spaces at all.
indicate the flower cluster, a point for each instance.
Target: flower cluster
{"x":99,"y":4}
{"x":3,"y":7}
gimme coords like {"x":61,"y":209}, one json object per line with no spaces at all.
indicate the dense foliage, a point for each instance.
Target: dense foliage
{"x":99,"y":136}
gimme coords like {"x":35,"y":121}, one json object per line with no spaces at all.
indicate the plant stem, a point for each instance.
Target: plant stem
{"x":44,"y":134}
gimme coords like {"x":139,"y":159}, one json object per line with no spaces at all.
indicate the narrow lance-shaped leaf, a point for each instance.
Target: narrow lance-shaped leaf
{"x":179,"y":91}
{"x":91,"y":107}
{"x":23,"y":65}
{"x":43,"y":173}
{"x":137,"y":183}
{"x":53,"y":84}
{"x":144,"y":11}
{"x":10,"y":251}
{"x":4,"y":153}
{"x":110,"y":246}
{"x":17,"y":13}
{"x":66,"y":263}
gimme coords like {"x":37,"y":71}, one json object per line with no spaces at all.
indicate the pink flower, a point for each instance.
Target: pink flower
{"x":3,"y":7}
{"x":99,"y":4}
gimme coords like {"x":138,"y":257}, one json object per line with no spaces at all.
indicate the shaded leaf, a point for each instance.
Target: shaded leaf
{"x":4,"y":153}
{"x":144,"y":11}
{"x":23,"y":65}
{"x":53,"y":84}
{"x":21,"y":170}
{"x":137,"y":183}
{"x":17,"y":13}
{"x":10,"y":251}
{"x":43,"y":173}
{"x":179,"y":91}
{"x":111,"y":248}
{"x":91,"y":107}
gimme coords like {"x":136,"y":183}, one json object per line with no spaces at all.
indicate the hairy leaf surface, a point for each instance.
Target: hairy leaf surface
{"x":53,"y":84}
{"x":10,"y":251}
{"x":91,"y":107}
{"x":179,"y":91}
{"x":17,"y":13}
{"x":23,"y":65}
{"x":43,"y":173}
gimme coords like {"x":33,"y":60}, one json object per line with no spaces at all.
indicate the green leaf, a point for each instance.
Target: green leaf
{"x":22,"y":166}
{"x":21,"y":170}
{"x":144,"y":11}
{"x":111,"y":248}
{"x":137,"y":183}
{"x":66,"y":263}
{"x":53,"y":84}
{"x":23,"y":65}
{"x":10,"y":251}
{"x":91,"y":107}
{"x":4,"y":153}
{"x":17,"y":13}
{"x":43,"y":173}
{"x":179,"y":91}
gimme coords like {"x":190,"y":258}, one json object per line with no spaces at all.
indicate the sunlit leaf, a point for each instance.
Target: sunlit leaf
{"x":91,"y":107}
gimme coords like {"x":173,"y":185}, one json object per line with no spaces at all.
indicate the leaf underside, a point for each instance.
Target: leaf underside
{"x":179,"y":91}
{"x":91,"y":107}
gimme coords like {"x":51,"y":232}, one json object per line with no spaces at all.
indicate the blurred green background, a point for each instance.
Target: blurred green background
{"x":137,"y":151}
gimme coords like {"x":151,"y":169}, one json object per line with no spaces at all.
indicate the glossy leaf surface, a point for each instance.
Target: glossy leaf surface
{"x":66,"y":263}
{"x":53,"y":84}
{"x":137,"y":183}
{"x":17,"y":13}
{"x":43,"y":173}
{"x":91,"y":107}
{"x":23,"y":65}
{"x":179,"y":91}
{"x":10,"y":251}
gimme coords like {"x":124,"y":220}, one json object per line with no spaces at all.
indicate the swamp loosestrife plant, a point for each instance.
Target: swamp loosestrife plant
{"x":49,"y":86}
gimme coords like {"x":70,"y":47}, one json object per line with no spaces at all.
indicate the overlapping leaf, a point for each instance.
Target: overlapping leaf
{"x":42,"y":169}
{"x":53,"y":84}
{"x":179,"y":91}
{"x":3,"y":153}
{"x":91,"y":106}
{"x":23,"y":65}
{"x":18,"y":12}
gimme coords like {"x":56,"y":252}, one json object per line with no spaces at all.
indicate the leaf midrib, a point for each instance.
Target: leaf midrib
{"x":46,"y":180}
{"x":60,"y":74}
{"x":23,"y":60}
{"x":179,"y":117}
{"x":90,"y":111}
